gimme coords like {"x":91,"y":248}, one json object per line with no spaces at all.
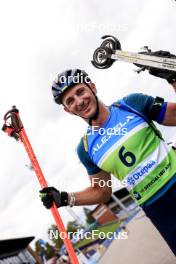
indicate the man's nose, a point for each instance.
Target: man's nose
{"x":79,"y":101}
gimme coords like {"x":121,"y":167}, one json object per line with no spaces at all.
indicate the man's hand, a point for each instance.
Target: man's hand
{"x":170,"y":76}
{"x":94,"y":194}
{"x":170,"y":115}
{"x":49,"y":195}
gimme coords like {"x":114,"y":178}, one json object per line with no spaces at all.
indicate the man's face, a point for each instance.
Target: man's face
{"x":80,"y":100}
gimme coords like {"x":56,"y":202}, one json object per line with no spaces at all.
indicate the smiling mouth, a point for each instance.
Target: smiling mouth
{"x":85,"y":108}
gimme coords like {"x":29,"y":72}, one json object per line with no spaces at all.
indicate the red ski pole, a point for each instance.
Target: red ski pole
{"x":13,"y":126}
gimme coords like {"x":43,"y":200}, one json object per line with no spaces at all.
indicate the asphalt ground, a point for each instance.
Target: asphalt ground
{"x":144,"y":245}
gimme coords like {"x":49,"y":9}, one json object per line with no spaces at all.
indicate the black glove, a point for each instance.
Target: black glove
{"x":50,"y":194}
{"x":170,"y":76}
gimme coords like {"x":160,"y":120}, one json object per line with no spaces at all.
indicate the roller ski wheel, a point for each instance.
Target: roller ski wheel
{"x":111,"y":42}
{"x":101,"y":58}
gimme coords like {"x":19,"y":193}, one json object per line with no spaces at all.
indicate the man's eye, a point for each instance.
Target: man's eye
{"x":80,"y":91}
{"x":70,"y":101}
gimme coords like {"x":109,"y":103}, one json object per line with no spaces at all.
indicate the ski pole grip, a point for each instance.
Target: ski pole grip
{"x":12,"y":123}
{"x":14,"y":117}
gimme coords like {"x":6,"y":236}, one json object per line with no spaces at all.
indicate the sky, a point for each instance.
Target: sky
{"x":40,"y":39}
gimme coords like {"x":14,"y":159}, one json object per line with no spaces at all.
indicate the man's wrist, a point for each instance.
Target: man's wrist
{"x":67,"y":199}
{"x":64,"y":198}
{"x":174,"y":85}
{"x":71,"y":199}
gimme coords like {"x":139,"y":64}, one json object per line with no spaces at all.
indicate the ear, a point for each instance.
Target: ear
{"x":93,"y":87}
{"x":67,"y":110}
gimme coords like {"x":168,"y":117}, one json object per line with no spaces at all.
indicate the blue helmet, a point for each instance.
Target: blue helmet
{"x":68,"y":79}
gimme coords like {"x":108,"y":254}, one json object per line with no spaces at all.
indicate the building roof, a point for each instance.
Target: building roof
{"x":11,"y":247}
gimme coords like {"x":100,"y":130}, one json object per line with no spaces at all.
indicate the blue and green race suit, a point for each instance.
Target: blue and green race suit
{"x":128,"y":147}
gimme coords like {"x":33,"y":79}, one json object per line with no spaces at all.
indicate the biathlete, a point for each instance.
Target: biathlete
{"x":122,"y":140}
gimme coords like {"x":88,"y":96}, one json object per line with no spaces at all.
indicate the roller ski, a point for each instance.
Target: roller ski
{"x":110,"y":51}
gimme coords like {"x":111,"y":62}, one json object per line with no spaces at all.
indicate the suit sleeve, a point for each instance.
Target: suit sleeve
{"x":85,"y":159}
{"x":144,"y":104}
